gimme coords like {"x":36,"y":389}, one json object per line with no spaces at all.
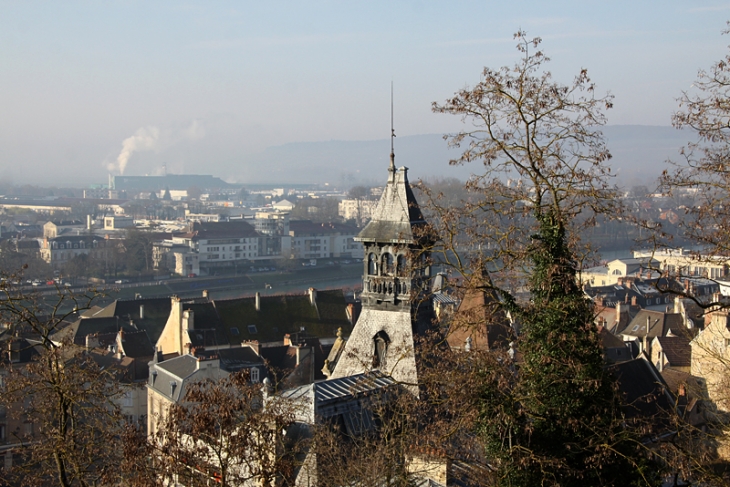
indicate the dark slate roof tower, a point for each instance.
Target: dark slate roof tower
{"x":396,"y":286}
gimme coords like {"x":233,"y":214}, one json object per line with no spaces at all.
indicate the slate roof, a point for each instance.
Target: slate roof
{"x":208,"y":330}
{"x":21,"y":350}
{"x":155,"y":311}
{"x":232,"y":229}
{"x":234,"y":359}
{"x":171,"y":377}
{"x":77,"y":331}
{"x":677,"y":350}
{"x":645,"y":392}
{"x":298,"y":228}
{"x":659,"y":324}
{"x":282,"y":314}
{"x":136,"y":344}
{"x":397,"y":218}
{"x":167,"y":377}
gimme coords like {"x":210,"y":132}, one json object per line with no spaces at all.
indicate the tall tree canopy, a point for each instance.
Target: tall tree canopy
{"x":557,"y":420}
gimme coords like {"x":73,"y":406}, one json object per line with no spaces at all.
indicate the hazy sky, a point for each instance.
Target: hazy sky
{"x":87,"y":86}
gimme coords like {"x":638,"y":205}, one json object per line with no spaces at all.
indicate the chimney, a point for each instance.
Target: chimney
{"x":141,"y":311}
{"x":287,"y":340}
{"x":92,"y":341}
{"x":88,"y":222}
{"x":188,"y":319}
{"x":205,"y":293}
{"x":312,"y":296}
{"x":633,"y":300}
{"x":258,"y":301}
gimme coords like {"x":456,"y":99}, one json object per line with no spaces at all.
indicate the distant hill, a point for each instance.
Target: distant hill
{"x":639,"y":155}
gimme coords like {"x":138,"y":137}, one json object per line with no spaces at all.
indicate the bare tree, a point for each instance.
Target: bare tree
{"x":63,"y":397}
{"x":556,"y":419}
{"x":224,"y":431}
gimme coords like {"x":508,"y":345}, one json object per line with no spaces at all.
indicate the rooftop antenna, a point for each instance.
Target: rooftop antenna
{"x":392,"y":130}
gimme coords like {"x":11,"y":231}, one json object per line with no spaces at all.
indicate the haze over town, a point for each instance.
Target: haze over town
{"x":222,"y":88}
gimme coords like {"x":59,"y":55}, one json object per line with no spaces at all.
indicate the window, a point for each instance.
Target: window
{"x":254,"y":374}
{"x":401,"y":265}
{"x":234,"y":331}
{"x":127,"y":399}
{"x":387,"y":263}
{"x":252,"y":329}
{"x":381,"y":341}
{"x":372,"y":265}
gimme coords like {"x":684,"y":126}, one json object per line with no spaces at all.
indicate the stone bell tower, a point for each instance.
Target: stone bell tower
{"x":396,"y":286}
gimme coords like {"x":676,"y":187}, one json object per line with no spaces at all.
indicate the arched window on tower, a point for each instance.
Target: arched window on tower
{"x":381,"y":340}
{"x":387,"y":264}
{"x":372,"y":265}
{"x":400,"y":265}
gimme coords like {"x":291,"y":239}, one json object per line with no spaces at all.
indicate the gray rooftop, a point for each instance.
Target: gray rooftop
{"x":397,"y":218}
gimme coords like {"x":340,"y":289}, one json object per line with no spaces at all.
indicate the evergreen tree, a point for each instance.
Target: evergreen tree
{"x":565,"y":425}
{"x":554,"y":417}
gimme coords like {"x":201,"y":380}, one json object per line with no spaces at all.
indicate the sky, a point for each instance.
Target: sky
{"x":90,"y":87}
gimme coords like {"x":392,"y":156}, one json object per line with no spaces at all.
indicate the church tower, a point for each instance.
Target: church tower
{"x":396,"y":286}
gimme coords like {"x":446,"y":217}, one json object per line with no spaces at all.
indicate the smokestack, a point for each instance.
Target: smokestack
{"x":88,"y":222}
{"x":258,"y":301}
{"x":141,"y":311}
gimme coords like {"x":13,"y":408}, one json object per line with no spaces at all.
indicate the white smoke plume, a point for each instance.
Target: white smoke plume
{"x":152,"y":138}
{"x":144,"y":139}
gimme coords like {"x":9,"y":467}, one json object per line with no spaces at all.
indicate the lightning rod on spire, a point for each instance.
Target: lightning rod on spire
{"x":392,"y":130}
